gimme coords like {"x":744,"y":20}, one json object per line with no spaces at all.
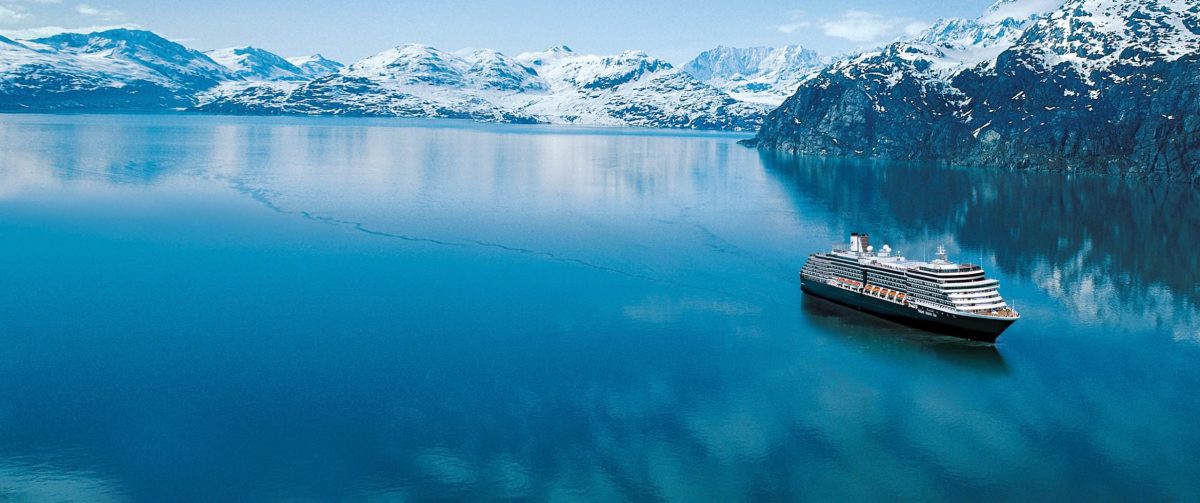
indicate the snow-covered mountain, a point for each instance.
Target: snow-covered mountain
{"x":756,"y":74}
{"x":138,"y":70}
{"x":1092,"y":38}
{"x":114,"y":69}
{"x":1094,"y":85}
{"x":170,"y":61}
{"x":315,"y":65}
{"x":554,"y":86}
{"x":252,"y":63}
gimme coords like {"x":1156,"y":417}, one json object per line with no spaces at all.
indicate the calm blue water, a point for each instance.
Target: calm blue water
{"x":265,"y":309}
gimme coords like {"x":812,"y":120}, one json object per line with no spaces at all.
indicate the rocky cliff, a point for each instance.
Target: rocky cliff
{"x":1104,"y":86}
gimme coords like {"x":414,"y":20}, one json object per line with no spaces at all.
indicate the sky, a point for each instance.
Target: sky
{"x":348,"y":31}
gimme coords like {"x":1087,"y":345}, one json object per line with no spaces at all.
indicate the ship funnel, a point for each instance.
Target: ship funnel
{"x":864,"y":243}
{"x":854,"y":247}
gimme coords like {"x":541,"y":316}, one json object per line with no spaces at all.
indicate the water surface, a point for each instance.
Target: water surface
{"x":265,"y":309}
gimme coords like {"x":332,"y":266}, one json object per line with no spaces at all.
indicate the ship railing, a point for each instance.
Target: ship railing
{"x":886,"y":265}
{"x":960,"y":268}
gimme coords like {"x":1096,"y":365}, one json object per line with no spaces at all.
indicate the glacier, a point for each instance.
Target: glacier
{"x":138,"y":70}
{"x":556,"y":86}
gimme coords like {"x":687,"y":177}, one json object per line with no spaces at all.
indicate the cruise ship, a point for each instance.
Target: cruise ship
{"x":940,"y":295}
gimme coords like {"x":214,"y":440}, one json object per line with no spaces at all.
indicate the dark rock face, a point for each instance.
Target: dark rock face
{"x":1139,"y":121}
{"x":856,"y":110}
{"x":1066,"y":96}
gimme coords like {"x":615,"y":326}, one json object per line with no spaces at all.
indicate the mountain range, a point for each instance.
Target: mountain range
{"x":136,"y":70}
{"x":1105,"y":86}
{"x":555,"y":86}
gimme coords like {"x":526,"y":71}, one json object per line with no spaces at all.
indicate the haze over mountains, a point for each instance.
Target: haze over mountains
{"x":1093,"y":85}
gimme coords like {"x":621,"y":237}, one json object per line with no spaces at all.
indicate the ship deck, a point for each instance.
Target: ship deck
{"x":900,"y":263}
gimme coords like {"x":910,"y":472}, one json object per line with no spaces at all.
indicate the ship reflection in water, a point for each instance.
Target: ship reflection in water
{"x":902,"y":344}
{"x":337,"y":309}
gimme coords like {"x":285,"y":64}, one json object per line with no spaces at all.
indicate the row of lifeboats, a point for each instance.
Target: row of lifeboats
{"x":844,"y":283}
{"x":872,"y":290}
{"x":885,"y":294}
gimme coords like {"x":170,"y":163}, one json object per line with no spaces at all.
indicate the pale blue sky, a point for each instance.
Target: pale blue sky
{"x":348,"y":31}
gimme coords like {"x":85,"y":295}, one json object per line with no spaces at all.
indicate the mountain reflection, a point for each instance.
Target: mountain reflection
{"x":218,"y":308}
{"x":1115,"y":252}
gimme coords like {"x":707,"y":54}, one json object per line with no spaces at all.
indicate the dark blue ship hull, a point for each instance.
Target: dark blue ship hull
{"x":967,"y":327}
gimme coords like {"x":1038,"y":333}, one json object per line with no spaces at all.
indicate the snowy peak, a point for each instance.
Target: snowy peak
{"x":755,"y":74}
{"x":1096,"y":34}
{"x":413,"y":64}
{"x":252,"y":63}
{"x":601,"y":72}
{"x":421,"y":65}
{"x":315,"y":66}
{"x":974,"y":33}
{"x":958,"y":42}
{"x":1018,"y":9}
{"x":727,"y":62}
{"x":169,"y":59}
{"x":108,"y":70}
{"x":948,"y":46}
{"x":748,"y":63}
{"x":790,"y":59}
{"x":562,"y":68}
{"x":546,"y":57}
{"x":490,"y":69}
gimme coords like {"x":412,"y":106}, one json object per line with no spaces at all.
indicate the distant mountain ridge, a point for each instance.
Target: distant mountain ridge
{"x":756,"y":74}
{"x":555,"y":86}
{"x":315,"y":65}
{"x":138,"y":70}
{"x":1107,"y":86}
{"x":252,"y":63}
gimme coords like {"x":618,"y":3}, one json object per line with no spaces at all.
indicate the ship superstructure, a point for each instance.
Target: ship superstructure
{"x":940,"y":295}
